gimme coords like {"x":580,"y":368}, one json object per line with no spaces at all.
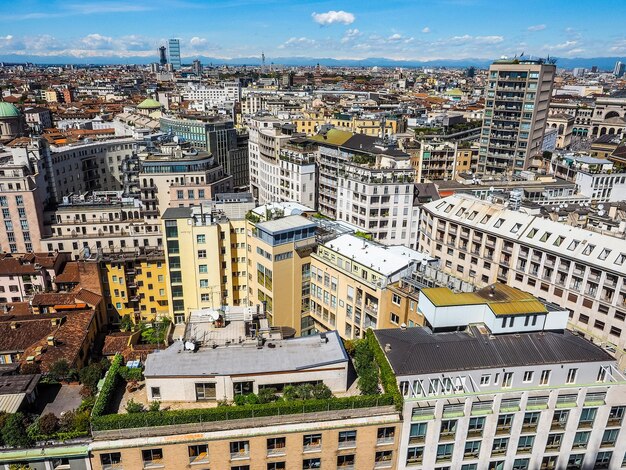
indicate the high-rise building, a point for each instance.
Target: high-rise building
{"x":516,"y":107}
{"x":197,"y":67}
{"x":162,"y":55}
{"x":620,"y":68}
{"x":174,"y":49}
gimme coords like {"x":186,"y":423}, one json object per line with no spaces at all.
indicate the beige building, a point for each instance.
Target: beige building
{"x":351,"y":286}
{"x":279,"y":263}
{"x":466,"y":159}
{"x":516,"y":108}
{"x":564,"y":124}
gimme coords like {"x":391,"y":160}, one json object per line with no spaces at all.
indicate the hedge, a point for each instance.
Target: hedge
{"x":387,"y":377}
{"x":111,"y":379}
{"x":177,"y":417}
{"x":60,"y":436}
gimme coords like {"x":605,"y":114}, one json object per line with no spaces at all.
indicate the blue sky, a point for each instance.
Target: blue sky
{"x":396,"y":29}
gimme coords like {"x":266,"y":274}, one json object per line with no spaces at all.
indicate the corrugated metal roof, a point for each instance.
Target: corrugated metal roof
{"x":501,"y":299}
{"x":417,"y":351}
{"x":10,"y":403}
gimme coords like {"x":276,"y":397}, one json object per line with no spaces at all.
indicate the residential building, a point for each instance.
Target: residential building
{"x":564,"y":123}
{"x":436,"y":161}
{"x":369,"y":183}
{"x":207,"y":256}
{"x":23,"y":275}
{"x":350,"y":285}
{"x":578,"y":269}
{"x":135,"y":283}
{"x":516,"y":108}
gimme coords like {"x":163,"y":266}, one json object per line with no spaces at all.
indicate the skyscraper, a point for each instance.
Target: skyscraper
{"x":620,"y":68}
{"x":516,"y":108}
{"x":162,"y":56}
{"x":174,"y":46}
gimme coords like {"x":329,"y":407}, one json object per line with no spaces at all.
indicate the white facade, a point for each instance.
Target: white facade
{"x":229,"y":92}
{"x":603,"y":187}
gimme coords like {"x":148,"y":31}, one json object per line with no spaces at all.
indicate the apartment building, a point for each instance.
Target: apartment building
{"x":547,"y":399}
{"x":135,"y":283}
{"x":227,"y":93}
{"x":23,"y":275}
{"x":516,"y":108}
{"x":466,"y":158}
{"x":86,"y":224}
{"x":369,"y":183}
{"x":578,"y":269}
{"x":364,"y":125}
{"x":207,"y":256}
{"x":279,"y":260}
{"x":436,"y":161}
{"x":350,"y":286}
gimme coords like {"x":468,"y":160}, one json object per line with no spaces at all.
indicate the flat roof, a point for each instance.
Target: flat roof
{"x":386,"y":260}
{"x":291,"y":222}
{"x":297,"y":354}
{"x":501,"y":299}
{"x":416,"y":351}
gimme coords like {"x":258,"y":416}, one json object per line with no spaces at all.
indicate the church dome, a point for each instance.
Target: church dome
{"x":7,"y":110}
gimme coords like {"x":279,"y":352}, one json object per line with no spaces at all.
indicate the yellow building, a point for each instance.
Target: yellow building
{"x":279,"y":267}
{"x":135,"y":284}
{"x":352,"y":286}
{"x":466,"y":159}
{"x":347,"y":122}
{"x":206,"y":258}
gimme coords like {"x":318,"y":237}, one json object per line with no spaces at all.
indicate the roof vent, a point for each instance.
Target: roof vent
{"x":387,"y":347}
{"x":323,"y":338}
{"x":403,"y":326}
{"x":14,"y":325}
{"x":51,"y":341}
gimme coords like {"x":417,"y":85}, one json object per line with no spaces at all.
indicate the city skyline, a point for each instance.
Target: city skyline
{"x":429,"y":30}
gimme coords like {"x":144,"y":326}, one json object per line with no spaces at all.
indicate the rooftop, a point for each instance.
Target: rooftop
{"x":284,"y":224}
{"x":307,"y":352}
{"x":386,"y":260}
{"x":415,"y":351}
{"x":502,"y":299}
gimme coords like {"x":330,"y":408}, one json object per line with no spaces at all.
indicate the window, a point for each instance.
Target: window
{"x":530,"y":421}
{"x":205,"y":391}
{"x":155,"y":392}
{"x":554,"y":441}
{"x":545,"y":377}
{"x":417,"y":434}
{"x":345,"y":461}
{"x":383,"y":456}
{"x":152,"y":458}
{"x":414,"y":455}
{"x":385,"y":435}
{"x":587,"y":416}
{"x":499,"y":445}
{"x":448,"y":428}
{"x":311,"y":463}
{"x":395,"y":319}
{"x":239,"y":449}
{"x":525,"y":443}
{"x":111,"y":460}
{"x":603,"y":459}
{"x":201,"y":254}
{"x":201,"y":239}
{"x":485,"y":379}
{"x":204,"y":283}
{"x":243,"y":388}
{"x":521,"y":464}
{"x":581,"y":439}
{"x":198,"y":453}
{"x":575,"y":461}
{"x":444,"y":452}
{"x":528,"y":376}
{"x":609,"y":437}
{"x":276,"y":466}
{"x":203,"y":269}
{"x":616,"y":415}
{"x":571,"y":376}
{"x":472,"y":448}
{"x":395,"y":298}
{"x":507,"y":380}
{"x":276,"y":446}
{"x":312,"y":442}
{"x":347,"y":439}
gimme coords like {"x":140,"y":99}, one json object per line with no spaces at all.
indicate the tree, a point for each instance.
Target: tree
{"x":14,"y":431}
{"x":90,"y":376}
{"x":126,"y":324}
{"x":156,"y":333}
{"x":133,"y":407}
{"x":267,"y":395}
{"x":321,"y":391}
{"x":60,"y":370}
{"x":66,"y":422}
{"x":48,"y":424}
{"x":154,"y":406}
{"x":366,"y":368}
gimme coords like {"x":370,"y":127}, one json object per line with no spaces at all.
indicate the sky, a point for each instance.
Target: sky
{"x":394,"y":29}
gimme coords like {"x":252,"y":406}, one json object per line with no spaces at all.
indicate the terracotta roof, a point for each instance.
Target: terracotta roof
{"x":70,"y":274}
{"x":88,"y":297}
{"x":15,"y":308}
{"x":25,"y":334}
{"x":116,"y":342}
{"x":52,"y":298}
{"x":69,"y":337}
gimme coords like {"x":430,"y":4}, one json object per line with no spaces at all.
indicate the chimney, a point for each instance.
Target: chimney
{"x":51,"y":340}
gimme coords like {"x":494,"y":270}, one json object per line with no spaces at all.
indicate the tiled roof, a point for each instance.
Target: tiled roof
{"x":88,"y":297}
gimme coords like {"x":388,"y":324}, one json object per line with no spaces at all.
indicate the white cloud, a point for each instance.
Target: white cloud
{"x":197,"y":42}
{"x":561,"y":46}
{"x":537,"y":27}
{"x":333,"y":16}
{"x":426,"y":29}
{"x":349,"y":35}
{"x":295,"y":43}
{"x":97,"y":41}
{"x":395,"y":37}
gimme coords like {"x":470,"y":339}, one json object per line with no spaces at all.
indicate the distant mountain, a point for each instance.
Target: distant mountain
{"x":603,"y":63}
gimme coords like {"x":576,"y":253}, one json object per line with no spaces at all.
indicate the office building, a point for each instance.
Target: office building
{"x":581,"y":270}
{"x":174,"y":52}
{"x":516,"y":107}
{"x":619,"y":69}
{"x":162,"y":56}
